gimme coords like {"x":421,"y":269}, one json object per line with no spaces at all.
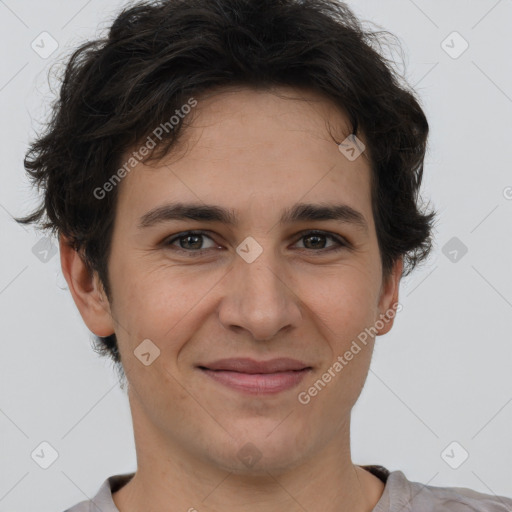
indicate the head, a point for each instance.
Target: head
{"x":241,"y":105}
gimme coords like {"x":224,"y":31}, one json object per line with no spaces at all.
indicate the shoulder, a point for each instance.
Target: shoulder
{"x":83,"y":506}
{"x":103,"y":498}
{"x":415,"y":496}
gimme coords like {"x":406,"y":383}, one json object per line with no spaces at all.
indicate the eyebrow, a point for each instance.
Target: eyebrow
{"x":211,"y":213}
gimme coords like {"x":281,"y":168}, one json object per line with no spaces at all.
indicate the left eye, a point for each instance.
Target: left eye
{"x":192,"y":241}
{"x":319,"y":235}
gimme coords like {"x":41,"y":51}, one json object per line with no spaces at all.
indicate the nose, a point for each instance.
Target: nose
{"x":259,"y":298}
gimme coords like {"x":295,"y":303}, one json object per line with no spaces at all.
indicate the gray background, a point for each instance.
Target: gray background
{"x":443,"y":373}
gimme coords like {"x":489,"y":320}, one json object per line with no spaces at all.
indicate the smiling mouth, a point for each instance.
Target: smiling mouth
{"x":257,"y":377}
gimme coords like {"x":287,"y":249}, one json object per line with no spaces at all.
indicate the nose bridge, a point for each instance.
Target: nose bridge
{"x":262,"y":276}
{"x":259,"y":299}
{"x":260,"y":282}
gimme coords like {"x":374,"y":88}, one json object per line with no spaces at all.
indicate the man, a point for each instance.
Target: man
{"x":234,"y":187}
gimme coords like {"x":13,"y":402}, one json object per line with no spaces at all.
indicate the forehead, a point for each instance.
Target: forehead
{"x":247,"y":149}
{"x":264,"y":121}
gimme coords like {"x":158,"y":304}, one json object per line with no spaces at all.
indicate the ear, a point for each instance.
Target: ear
{"x":388,"y":300}
{"x":86,"y":290}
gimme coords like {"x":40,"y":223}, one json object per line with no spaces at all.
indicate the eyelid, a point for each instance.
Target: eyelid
{"x":322,"y":232}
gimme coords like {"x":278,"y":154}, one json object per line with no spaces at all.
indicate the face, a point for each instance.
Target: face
{"x":261,"y":287}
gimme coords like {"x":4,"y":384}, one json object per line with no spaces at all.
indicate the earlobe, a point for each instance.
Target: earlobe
{"x":388,"y":301}
{"x":86,"y":290}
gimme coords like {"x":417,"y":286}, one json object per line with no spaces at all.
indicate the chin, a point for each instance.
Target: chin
{"x":263,"y":451}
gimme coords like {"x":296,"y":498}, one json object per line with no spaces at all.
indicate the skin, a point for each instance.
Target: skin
{"x":257,"y":153}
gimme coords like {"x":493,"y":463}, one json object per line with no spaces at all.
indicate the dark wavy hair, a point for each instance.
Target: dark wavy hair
{"x":156,"y":55}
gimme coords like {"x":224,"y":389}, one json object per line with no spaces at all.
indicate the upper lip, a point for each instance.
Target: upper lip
{"x":247,"y":365}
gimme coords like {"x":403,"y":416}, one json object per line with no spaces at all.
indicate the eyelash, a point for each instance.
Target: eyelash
{"x":342,"y":244}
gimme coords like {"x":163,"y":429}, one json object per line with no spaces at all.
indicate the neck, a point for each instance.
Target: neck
{"x":172,"y":477}
{"x":358,"y":492}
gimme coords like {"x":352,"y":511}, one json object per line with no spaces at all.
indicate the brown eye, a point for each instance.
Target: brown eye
{"x":317,"y":240}
{"x":189,"y":241}
{"x":314,"y":241}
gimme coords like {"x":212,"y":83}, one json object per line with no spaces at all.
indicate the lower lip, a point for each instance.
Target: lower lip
{"x":258,"y":383}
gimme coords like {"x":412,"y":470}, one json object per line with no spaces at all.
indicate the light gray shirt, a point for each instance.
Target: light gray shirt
{"x":400,"y":495}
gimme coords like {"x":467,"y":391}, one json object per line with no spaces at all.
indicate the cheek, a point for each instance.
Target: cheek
{"x":157,"y":394}
{"x":343,"y":302}
{"x":161,"y":303}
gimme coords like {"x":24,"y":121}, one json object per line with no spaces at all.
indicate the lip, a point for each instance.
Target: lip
{"x":257,"y":377}
{"x":248,"y":365}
